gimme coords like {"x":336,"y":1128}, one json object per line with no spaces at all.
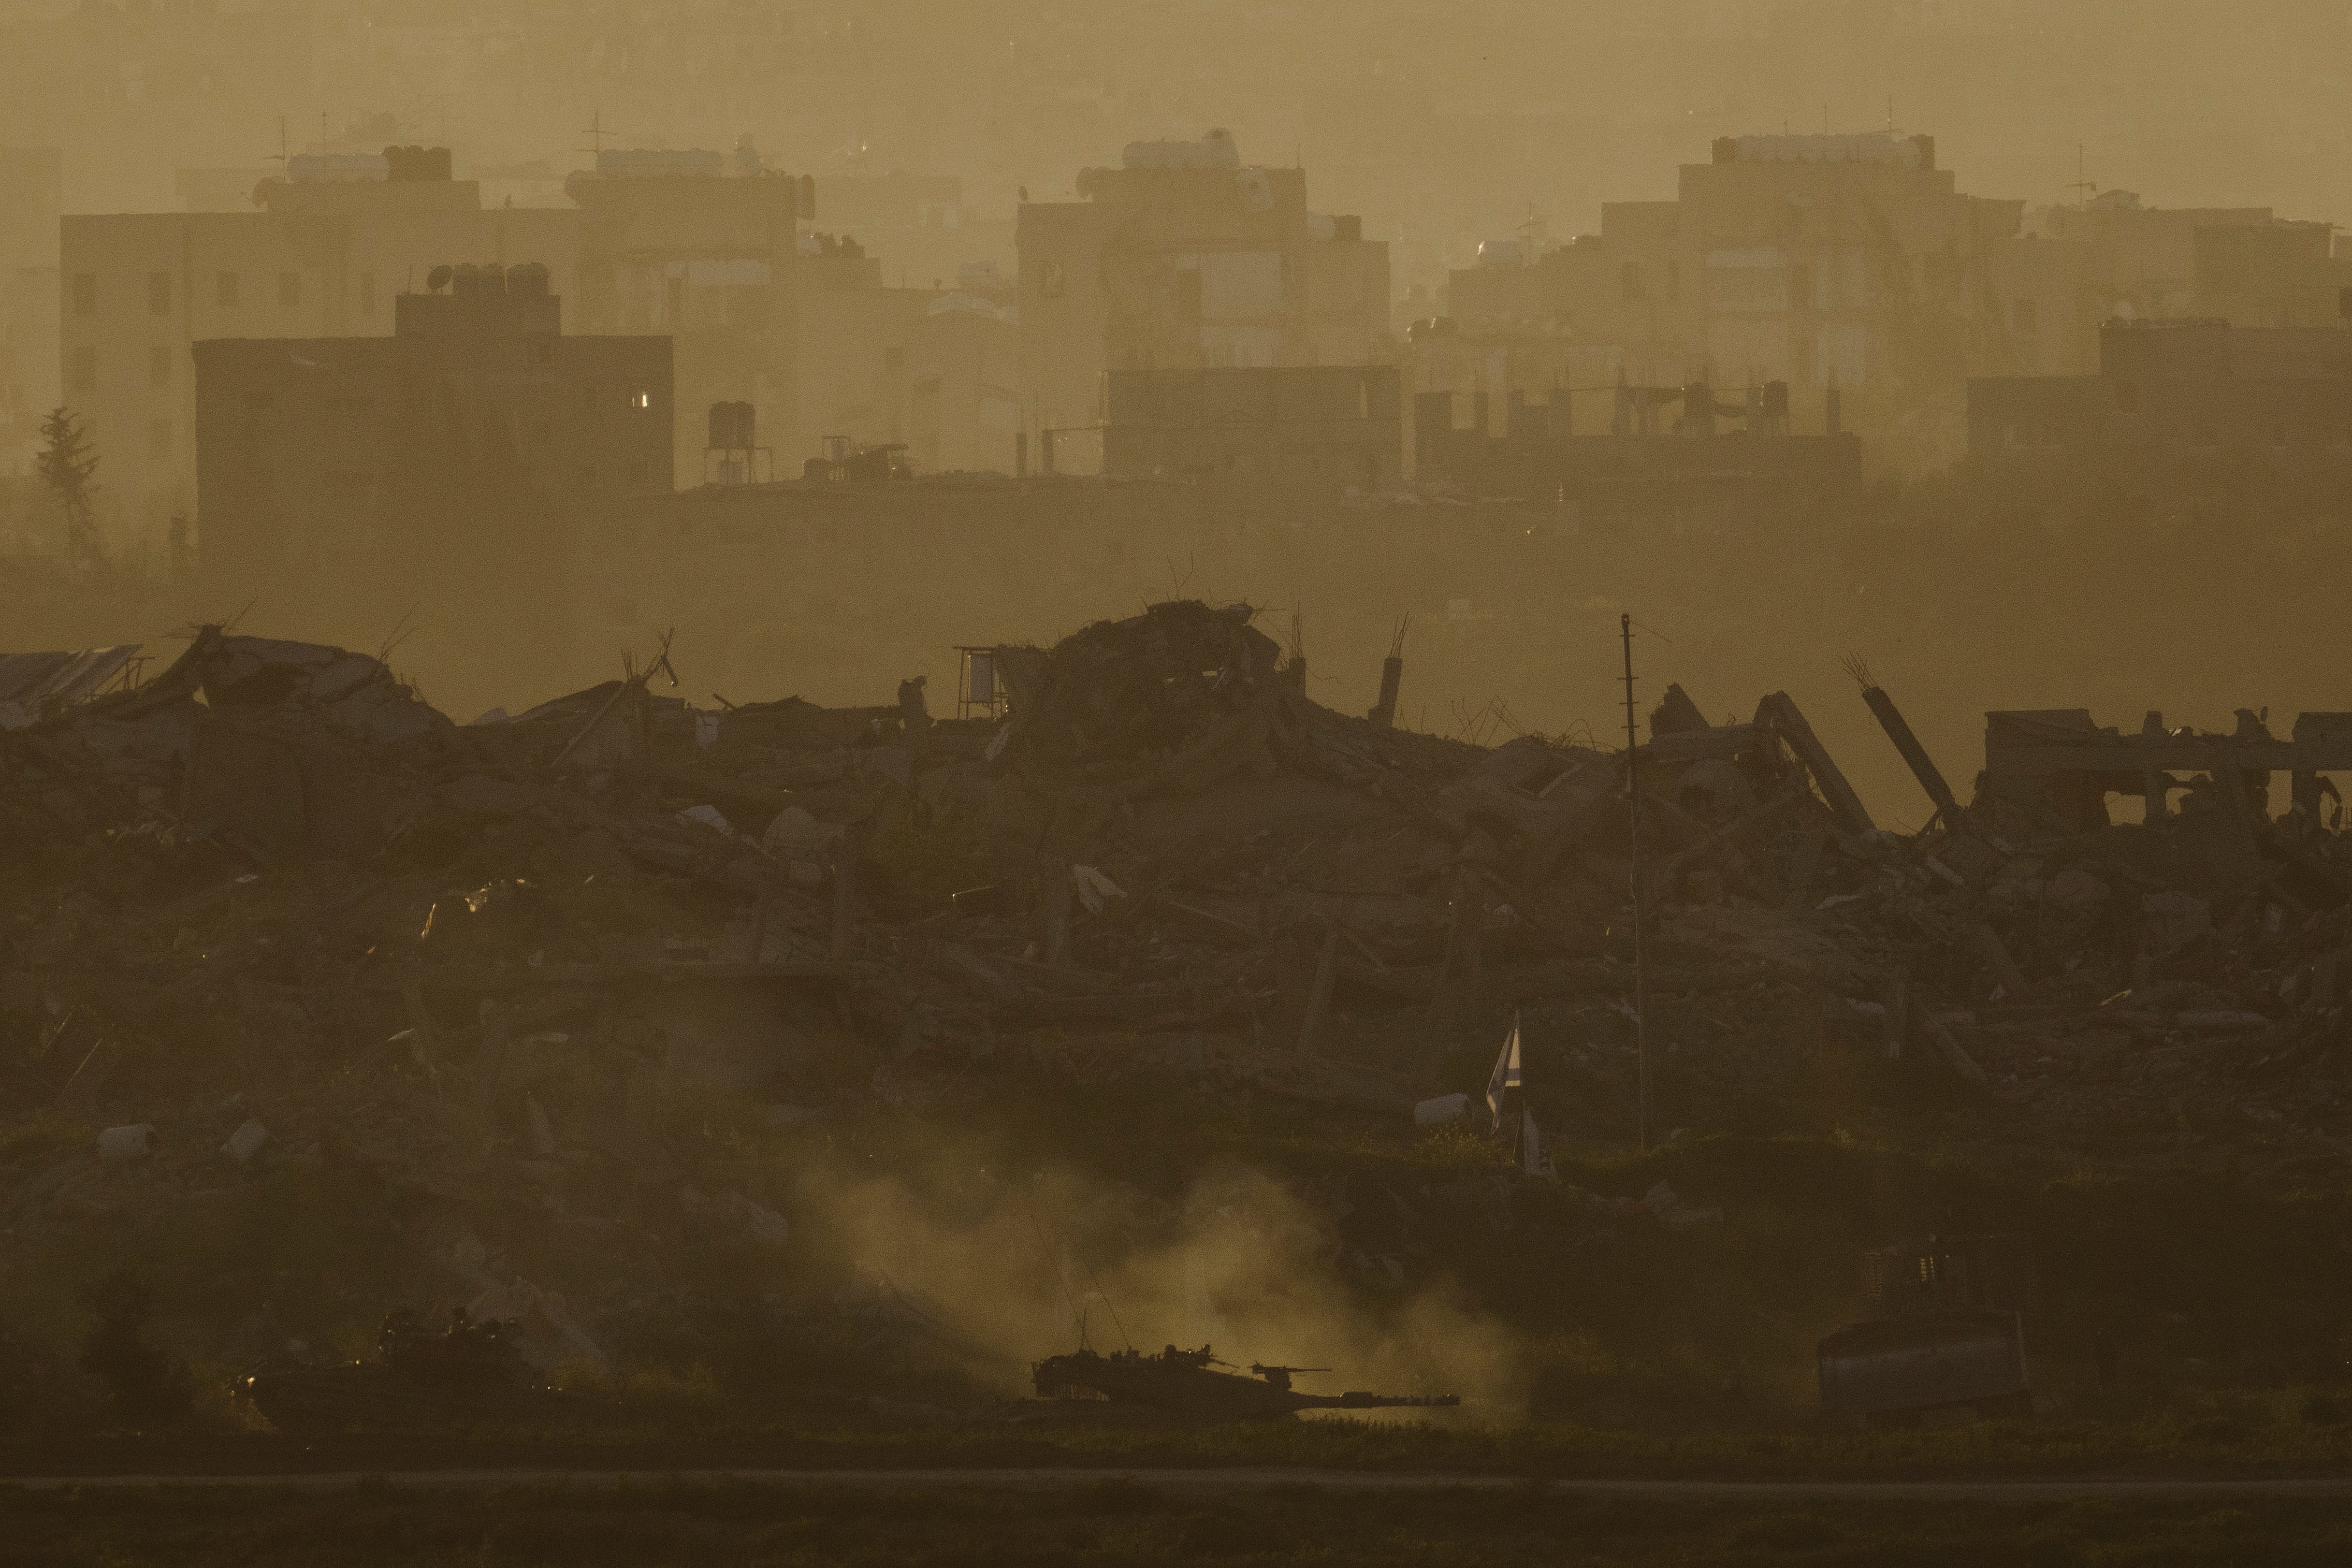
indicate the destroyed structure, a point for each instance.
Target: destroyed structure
{"x":267,"y":907}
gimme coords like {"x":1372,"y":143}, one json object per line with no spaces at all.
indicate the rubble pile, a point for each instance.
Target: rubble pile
{"x":270,"y":907}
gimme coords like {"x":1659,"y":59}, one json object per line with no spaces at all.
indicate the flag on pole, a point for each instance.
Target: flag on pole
{"x":1506,"y":1076}
{"x":1532,"y":1158}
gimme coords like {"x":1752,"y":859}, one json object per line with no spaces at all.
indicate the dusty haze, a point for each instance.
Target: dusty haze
{"x":1443,"y":124}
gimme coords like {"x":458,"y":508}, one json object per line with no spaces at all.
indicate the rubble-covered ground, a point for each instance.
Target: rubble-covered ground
{"x":774,"y":1062}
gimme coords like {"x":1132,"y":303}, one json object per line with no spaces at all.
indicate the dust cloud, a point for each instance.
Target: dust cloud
{"x":1015,"y":1268}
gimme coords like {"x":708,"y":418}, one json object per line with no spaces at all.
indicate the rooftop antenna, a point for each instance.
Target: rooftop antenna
{"x":2084,"y":190}
{"x":281,"y":143}
{"x":1890,"y":114}
{"x":596,"y":131}
{"x":1641,"y":973}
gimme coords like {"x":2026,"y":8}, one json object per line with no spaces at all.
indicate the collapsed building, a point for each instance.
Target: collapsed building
{"x":268,"y":888}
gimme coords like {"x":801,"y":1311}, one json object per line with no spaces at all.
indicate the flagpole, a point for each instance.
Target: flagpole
{"x":1641,"y":984}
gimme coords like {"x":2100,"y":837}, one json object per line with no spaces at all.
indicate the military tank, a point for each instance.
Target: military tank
{"x":1187,"y":1384}
{"x":470,"y":1371}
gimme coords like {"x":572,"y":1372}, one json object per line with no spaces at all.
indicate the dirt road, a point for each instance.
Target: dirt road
{"x":1203,"y":1482}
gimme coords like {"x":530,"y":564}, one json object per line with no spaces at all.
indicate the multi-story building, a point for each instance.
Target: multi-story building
{"x":1847,"y":262}
{"x":2179,"y":408}
{"x":449,"y":464}
{"x":716,"y":252}
{"x":330,"y":247}
{"x":1183,"y":258}
{"x":30,"y":197}
{"x":2111,"y":257}
{"x":1334,"y":426}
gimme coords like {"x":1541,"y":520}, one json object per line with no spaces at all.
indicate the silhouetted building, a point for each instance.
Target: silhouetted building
{"x":1337,"y":425}
{"x":717,"y":252}
{"x":2179,"y":396}
{"x":2110,"y":257}
{"x":335,"y":241}
{"x":1733,"y":442}
{"x":1845,"y":261}
{"x":449,"y":464}
{"x":30,"y":184}
{"x":1184,"y":259}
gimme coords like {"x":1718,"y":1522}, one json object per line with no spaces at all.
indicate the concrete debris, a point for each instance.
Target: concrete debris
{"x":481,"y":960}
{"x":130,"y":1142}
{"x":246,"y":1141}
{"x":1095,"y":889}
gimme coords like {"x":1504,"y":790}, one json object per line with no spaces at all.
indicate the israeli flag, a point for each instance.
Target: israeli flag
{"x":1506,"y":1076}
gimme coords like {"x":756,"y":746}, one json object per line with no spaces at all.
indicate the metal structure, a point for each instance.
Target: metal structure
{"x":734,"y":452}
{"x":980,"y":684}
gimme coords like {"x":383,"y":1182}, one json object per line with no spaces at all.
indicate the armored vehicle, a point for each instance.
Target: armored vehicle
{"x":1946,"y":1331}
{"x":470,"y":1371}
{"x":1186,"y":1385}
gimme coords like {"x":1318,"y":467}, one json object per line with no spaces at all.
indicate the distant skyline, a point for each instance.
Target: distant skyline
{"x":1442,"y":124}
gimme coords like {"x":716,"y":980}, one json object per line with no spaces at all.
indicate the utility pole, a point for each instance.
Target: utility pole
{"x":1641,"y":974}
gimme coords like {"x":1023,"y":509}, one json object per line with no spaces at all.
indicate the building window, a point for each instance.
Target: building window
{"x":158,"y":438}
{"x":225,"y":292}
{"x":84,"y":378}
{"x":641,"y":400}
{"x":159,"y":293}
{"x":289,"y":288}
{"x":2022,"y":315}
{"x":159,"y":367}
{"x":85,"y":293}
{"x":367,"y":293}
{"x":1051,"y":280}
{"x":1630,"y":282}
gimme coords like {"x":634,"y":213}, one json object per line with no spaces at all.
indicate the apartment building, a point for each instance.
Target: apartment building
{"x":328,"y":248}
{"x":1183,"y":258}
